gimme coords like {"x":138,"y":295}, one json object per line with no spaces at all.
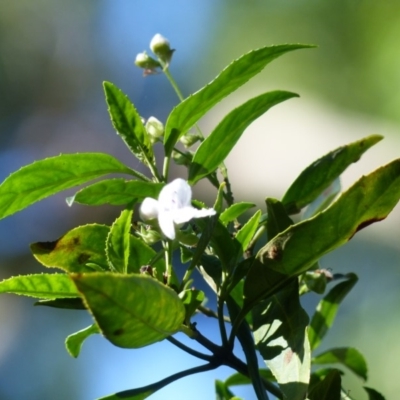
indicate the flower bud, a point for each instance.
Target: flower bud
{"x":150,"y":236}
{"x":189,"y":139}
{"x":155,"y":128}
{"x":182,"y":159}
{"x":160,"y":46}
{"x":149,"y":64}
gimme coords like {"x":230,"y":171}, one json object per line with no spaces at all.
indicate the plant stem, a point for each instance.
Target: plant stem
{"x":168,"y":260}
{"x":173,"y":83}
{"x":166,"y":381}
{"x":189,"y":350}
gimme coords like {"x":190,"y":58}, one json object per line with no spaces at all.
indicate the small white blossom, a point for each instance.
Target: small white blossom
{"x":173,"y":207}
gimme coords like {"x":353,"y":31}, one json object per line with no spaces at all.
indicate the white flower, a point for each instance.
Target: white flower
{"x":173,"y":207}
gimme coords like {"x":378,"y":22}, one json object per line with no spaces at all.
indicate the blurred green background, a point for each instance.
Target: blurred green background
{"x":54,"y":56}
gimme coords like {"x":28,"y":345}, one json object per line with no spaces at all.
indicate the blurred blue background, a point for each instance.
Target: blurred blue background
{"x":54,"y":56}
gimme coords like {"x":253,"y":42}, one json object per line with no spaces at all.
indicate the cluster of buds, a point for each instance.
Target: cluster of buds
{"x":161,"y":48}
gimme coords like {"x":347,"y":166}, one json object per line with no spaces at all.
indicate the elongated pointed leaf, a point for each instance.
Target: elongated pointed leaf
{"x":369,"y":200}
{"x":74,"y":342}
{"x":132,"y":311}
{"x":280,"y":335}
{"x":43,"y":178}
{"x":347,"y":356}
{"x":321,"y":173}
{"x":235,"y":211}
{"x":118,"y":242}
{"x":323,"y":200}
{"x":247,"y":231}
{"x":187,"y":113}
{"x":41,"y":286}
{"x":76,"y":250}
{"x":216,"y":147}
{"x":116,"y":191}
{"x":373,"y":394}
{"x":327,"y":309}
{"x":328,"y":389}
{"x":128,"y":123}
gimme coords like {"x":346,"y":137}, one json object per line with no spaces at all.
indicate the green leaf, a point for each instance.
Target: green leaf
{"x":234,"y":211}
{"x":42,"y":286}
{"x":247,"y":232}
{"x":74,"y":342}
{"x":118,"y":242}
{"x":347,"y":356}
{"x":73,"y":251}
{"x":216,"y":147}
{"x":327,"y":309}
{"x":369,"y":200}
{"x":219,"y":201}
{"x":187,"y":113}
{"x":128,"y":123}
{"x":69,"y":303}
{"x":328,"y":389}
{"x":191,"y":299}
{"x":373,"y":394}
{"x":131,"y":311}
{"x":262,"y":281}
{"x":323,"y":200}
{"x":280,"y":335}
{"x":141,"y":255}
{"x":321,"y":173}
{"x":278,"y":220}
{"x":46,"y":177}
{"x":221,"y":241}
{"x":116,"y":191}
{"x":222,"y":391}
{"x":240,"y":379}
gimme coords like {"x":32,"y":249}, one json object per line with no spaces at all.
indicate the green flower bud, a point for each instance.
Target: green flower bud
{"x":189,"y":139}
{"x":155,"y":128}
{"x":150,"y":236}
{"x":160,"y":46}
{"x":149,"y":64}
{"x":182,"y":159}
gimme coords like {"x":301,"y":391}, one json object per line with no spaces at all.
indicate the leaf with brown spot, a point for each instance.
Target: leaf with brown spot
{"x":82,"y":245}
{"x":132,"y":311}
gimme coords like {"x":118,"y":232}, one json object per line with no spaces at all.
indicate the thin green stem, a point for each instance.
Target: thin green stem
{"x":189,"y":350}
{"x":211,"y":313}
{"x":167,"y":161}
{"x":221,"y":322}
{"x":168,"y":260}
{"x":173,"y":83}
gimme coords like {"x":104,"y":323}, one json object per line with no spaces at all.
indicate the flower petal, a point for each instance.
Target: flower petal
{"x":149,"y":209}
{"x":166,"y":223}
{"x":175,"y":195}
{"x":185,"y":214}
